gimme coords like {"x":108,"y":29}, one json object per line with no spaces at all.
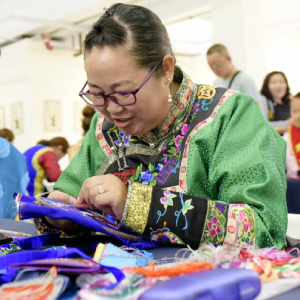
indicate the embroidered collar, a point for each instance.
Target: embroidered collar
{"x":177,"y":112}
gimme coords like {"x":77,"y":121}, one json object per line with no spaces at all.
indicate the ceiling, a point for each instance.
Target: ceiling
{"x":65,"y":20}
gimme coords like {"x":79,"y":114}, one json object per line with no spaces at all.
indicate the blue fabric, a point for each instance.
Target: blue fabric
{"x":32,"y":171}
{"x":87,"y":218}
{"x":13,"y":178}
{"x":26,"y":256}
{"x":293,"y":195}
{"x":113,"y":257}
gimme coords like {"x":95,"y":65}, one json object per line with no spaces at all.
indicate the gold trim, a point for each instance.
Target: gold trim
{"x":137,"y":208}
{"x":40,"y":172}
{"x":127,"y":203}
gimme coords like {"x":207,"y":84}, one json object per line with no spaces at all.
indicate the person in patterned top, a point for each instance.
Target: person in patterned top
{"x":176,"y":162}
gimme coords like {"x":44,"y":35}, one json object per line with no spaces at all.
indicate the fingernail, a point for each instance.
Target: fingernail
{"x":78,"y":200}
{"x":72,"y":200}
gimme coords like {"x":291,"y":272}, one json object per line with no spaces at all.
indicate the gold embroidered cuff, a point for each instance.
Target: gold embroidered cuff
{"x":137,"y":206}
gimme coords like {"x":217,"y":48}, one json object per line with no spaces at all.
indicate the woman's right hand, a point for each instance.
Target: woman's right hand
{"x":66,"y":225}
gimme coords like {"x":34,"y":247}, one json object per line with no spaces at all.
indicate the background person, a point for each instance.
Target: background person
{"x":275,"y":100}
{"x":292,"y":137}
{"x":13,"y":178}
{"x":7,"y":134}
{"x":88,"y":113}
{"x":42,"y":163}
{"x":229,"y":76}
{"x":161,"y":146}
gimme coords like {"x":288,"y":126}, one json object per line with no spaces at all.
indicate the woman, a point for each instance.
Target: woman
{"x":275,"y":100}
{"x":42,"y":163}
{"x":88,"y":113}
{"x":177,"y":161}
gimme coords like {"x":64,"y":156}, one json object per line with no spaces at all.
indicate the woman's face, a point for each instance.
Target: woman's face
{"x":277,"y":86}
{"x":113,"y":69}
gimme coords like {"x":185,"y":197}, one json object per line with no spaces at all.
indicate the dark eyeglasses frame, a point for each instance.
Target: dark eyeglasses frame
{"x":81,"y":94}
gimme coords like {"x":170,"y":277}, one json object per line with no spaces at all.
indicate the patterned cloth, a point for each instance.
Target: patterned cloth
{"x":13,"y":178}
{"x":213,"y":171}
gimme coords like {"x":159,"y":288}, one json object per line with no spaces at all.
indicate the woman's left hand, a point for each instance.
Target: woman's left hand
{"x":111,"y":201}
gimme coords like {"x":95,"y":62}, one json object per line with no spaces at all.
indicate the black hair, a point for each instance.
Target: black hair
{"x":265,"y":87}
{"x":140,"y":29}
{"x":7,"y":134}
{"x":57,"y":141}
{"x":88,"y":113}
{"x":297,"y":95}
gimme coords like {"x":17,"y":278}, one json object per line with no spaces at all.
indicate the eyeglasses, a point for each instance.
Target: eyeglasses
{"x":122,"y":98}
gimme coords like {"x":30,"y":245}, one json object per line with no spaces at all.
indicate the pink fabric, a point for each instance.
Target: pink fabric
{"x":291,"y":163}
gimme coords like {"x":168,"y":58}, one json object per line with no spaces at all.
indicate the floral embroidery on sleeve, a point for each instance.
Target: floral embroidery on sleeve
{"x":214,"y":228}
{"x":168,"y":200}
{"x":240,"y":225}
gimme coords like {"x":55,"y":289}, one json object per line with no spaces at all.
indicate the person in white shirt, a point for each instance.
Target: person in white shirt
{"x":229,"y":76}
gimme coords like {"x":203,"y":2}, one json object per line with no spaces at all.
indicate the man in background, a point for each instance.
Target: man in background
{"x":229,"y":76}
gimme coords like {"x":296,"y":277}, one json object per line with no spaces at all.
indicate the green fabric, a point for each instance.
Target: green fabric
{"x":85,"y":164}
{"x":237,"y":158}
{"x":234,"y":165}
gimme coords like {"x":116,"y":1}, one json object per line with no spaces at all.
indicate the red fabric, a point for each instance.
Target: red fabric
{"x":295,"y":141}
{"x":49,"y":163}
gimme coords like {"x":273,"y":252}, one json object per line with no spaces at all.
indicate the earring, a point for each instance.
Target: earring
{"x":170,"y":96}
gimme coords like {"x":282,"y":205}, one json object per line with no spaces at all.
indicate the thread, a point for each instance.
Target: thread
{"x":173,"y":271}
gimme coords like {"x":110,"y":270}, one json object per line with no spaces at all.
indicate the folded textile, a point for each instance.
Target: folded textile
{"x":117,"y":257}
{"x":30,"y":207}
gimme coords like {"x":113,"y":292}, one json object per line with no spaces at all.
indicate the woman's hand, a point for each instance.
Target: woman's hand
{"x":111,"y":201}
{"x":66,"y":225}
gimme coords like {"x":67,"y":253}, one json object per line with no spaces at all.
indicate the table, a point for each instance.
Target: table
{"x":158,"y":253}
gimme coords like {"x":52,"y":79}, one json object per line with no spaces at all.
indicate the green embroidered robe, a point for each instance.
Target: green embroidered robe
{"x":213,"y":171}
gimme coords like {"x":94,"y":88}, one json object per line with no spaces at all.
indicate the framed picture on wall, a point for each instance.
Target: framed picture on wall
{"x":17,"y":123}
{"x":52,"y":115}
{"x":78,"y":107}
{"x":2,"y":116}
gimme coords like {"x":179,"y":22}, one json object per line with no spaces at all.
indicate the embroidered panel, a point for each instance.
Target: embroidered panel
{"x":240,"y":225}
{"x":215,"y":223}
{"x":137,"y":210}
{"x":99,"y":135}
{"x":203,"y":92}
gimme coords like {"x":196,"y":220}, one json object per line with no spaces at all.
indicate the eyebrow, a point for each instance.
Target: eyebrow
{"x":113,"y":86}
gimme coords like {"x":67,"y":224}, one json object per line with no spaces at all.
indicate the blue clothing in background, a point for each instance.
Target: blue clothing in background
{"x":29,"y":154}
{"x":13,"y":178}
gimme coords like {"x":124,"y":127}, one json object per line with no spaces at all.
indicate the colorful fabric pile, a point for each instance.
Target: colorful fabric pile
{"x":36,"y":269}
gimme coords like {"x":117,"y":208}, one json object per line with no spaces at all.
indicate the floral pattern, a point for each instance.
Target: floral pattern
{"x":164,"y":236}
{"x":146,"y":177}
{"x":240,"y":225}
{"x":168,"y":200}
{"x":214,"y":228}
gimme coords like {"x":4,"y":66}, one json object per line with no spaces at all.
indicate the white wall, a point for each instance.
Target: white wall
{"x":30,"y":73}
{"x":283,"y":54}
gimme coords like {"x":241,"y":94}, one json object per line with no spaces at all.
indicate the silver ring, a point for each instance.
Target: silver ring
{"x":100,"y":189}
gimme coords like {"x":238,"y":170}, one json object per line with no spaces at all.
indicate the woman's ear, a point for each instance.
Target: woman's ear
{"x":168,"y":67}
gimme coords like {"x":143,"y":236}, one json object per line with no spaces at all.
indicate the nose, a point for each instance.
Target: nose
{"x":113,"y":107}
